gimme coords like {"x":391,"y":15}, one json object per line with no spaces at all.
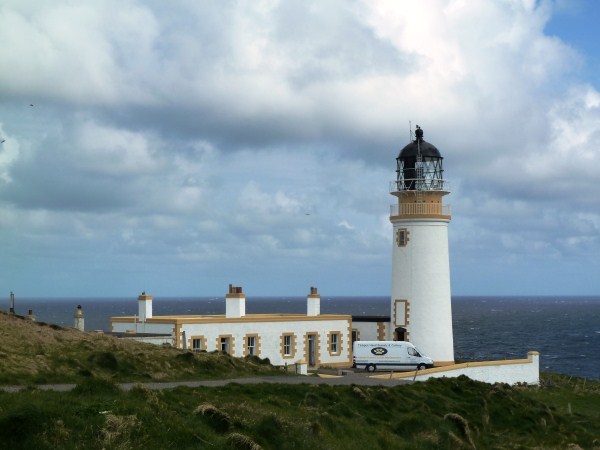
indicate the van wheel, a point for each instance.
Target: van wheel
{"x":421,"y":367}
{"x":371,"y":368}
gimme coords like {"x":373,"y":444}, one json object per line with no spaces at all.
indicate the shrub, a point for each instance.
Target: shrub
{"x":272,"y":427}
{"x":186,"y":357}
{"x":22,"y":422}
{"x":253,"y":359}
{"x":105,"y":360}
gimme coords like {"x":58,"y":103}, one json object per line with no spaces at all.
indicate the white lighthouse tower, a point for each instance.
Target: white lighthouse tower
{"x":421,"y":311}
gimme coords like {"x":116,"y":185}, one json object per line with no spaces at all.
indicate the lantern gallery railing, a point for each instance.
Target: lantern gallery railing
{"x":419,"y":184}
{"x":418,"y":209}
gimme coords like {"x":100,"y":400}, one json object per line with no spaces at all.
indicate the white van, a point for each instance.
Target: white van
{"x":388,"y":355}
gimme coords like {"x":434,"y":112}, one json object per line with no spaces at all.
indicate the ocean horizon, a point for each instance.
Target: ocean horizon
{"x":564,"y":329}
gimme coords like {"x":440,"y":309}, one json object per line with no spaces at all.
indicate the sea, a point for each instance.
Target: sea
{"x":565,"y":330}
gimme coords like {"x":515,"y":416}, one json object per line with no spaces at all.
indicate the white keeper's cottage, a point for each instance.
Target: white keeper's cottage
{"x":315,"y":338}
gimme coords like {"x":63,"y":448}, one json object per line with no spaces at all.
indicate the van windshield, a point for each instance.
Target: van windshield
{"x":412,"y":351}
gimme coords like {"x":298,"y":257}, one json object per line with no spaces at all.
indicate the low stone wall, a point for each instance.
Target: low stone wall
{"x":510,"y":371}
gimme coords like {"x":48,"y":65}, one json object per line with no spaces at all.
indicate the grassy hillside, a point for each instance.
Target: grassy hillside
{"x":35,"y":352}
{"x":563,"y":413}
{"x":437,"y":414}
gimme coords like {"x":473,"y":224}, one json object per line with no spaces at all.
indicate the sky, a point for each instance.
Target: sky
{"x":177,"y":147}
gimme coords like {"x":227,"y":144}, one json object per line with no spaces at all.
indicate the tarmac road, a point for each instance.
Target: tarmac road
{"x":361,"y":379}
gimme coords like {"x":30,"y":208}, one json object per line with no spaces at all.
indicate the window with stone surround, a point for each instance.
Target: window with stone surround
{"x":225,"y":344}
{"x":252,"y":345}
{"x":334,"y":339}
{"x":288,"y":345}
{"x":197,"y":343}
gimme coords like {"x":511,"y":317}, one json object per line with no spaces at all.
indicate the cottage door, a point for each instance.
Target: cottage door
{"x":312,"y":350}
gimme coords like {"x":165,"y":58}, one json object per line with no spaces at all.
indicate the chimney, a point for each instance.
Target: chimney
{"x":78,"y":319}
{"x":144,"y":307}
{"x":313,"y":303}
{"x":235,"y":302}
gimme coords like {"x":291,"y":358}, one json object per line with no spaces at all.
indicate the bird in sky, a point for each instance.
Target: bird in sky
{"x":2,"y":141}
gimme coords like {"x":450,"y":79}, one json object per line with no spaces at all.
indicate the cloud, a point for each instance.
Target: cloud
{"x":247,"y":138}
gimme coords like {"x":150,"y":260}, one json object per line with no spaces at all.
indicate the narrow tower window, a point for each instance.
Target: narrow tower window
{"x":402,"y":237}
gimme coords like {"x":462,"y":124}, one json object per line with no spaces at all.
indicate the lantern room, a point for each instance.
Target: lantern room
{"x":419,"y":166}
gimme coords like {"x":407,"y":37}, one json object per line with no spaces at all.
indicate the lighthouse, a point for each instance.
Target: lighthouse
{"x":421,"y":310}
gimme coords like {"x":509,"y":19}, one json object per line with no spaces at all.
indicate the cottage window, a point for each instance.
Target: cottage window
{"x":334,"y":343}
{"x":251,"y":345}
{"x":287,"y":345}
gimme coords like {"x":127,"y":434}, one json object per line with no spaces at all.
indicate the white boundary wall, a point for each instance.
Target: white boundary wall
{"x":156,"y":340}
{"x":509,"y":371}
{"x":142,"y":327}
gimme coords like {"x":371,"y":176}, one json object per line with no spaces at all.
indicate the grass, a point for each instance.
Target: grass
{"x":37,"y":353}
{"x":437,"y":414}
{"x":453,"y":413}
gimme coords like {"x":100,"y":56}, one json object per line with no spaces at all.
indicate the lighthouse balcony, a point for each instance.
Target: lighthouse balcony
{"x":420,"y":210}
{"x":419,"y":184}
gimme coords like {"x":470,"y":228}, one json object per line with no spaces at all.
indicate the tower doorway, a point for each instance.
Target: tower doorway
{"x":400,"y":334}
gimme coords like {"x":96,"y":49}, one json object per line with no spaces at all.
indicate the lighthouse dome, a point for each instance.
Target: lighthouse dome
{"x":427,"y":150}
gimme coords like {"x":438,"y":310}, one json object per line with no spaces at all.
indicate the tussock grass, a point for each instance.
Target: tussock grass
{"x":218,"y":419}
{"x":35,"y":352}
{"x":147,"y":395}
{"x":117,"y":431}
{"x":438,"y":414}
{"x":359,"y":393}
{"x":242,"y":442}
{"x":463,"y":428}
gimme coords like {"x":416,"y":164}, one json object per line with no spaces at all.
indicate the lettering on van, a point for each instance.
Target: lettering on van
{"x":379,"y":351}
